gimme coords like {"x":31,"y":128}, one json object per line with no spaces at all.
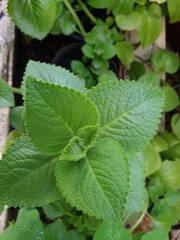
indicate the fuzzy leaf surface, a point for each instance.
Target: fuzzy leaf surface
{"x":35,"y":17}
{"x":27,"y":226}
{"x":99,"y":183}
{"x":54,"y":114}
{"x":54,"y":74}
{"x":6,"y":96}
{"x":137,"y":198}
{"x":129,"y":112}
{"x":26,"y":176}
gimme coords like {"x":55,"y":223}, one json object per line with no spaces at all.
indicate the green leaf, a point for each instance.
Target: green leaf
{"x":27,"y":226}
{"x":109,"y":51}
{"x":128,"y":22}
{"x":53,"y":74}
{"x":175,"y":124}
{"x":150,"y":78}
{"x":170,"y":138}
{"x":159,"y":144}
{"x":129,"y":112}
{"x":149,"y":29}
{"x":122,"y":7}
{"x":155,"y":11}
{"x":59,"y":11}
{"x":155,"y":189}
{"x":68,"y":111}
{"x":75,"y":235}
{"x":58,"y":208}
{"x":88,"y":50}
{"x":73,"y":150}
{"x":171,"y":98}
{"x":137,"y":198}
{"x":27,"y":176}
{"x":56,"y":231}
{"x":125,"y":52}
{"x":107,"y":76}
{"x":152,"y":160}
{"x":107,"y":231}
{"x":67,"y":24}
{"x":16,"y":118}
{"x":155,"y":235}
{"x":136,"y":70}
{"x":169,"y":173}
{"x":172,"y":153}
{"x":164,"y":60}
{"x":35,"y":18}
{"x":6,"y":95}
{"x":96,"y":185}
{"x":174,"y":10}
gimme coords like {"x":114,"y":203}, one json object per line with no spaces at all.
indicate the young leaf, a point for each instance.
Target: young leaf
{"x":171,"y":100}
{"x":6,"y":95}
{"x":54,"y":114}
{"x":35,"y":18}
{"x":129,"y":112}
{"x":27,"y":226}
{"x":159,"y":144}
{"x":174,"y":10}
{"x":155,"y":235}
{"x":152,"y":160}
{"x":73,"y":150}
{"x":26,"y":176}
{"x":53,"y":74}
{"x":125,"y":52}
{"x":175,"y":124}
{"x":56,"y":231}
{"x":107,"y":231}
{"x":128,"y":22}
{"x":136,"y":71}
{"x":99,"y":183}
{"x":137,"y":198}
{"x":164,"y":60}
{"x":169,"y":173}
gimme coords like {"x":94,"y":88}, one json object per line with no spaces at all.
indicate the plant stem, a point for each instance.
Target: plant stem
{"x":86,"y":10}
{"x":75,"y":16}
{"x":16,"y":90}
{"x":138,"y":221}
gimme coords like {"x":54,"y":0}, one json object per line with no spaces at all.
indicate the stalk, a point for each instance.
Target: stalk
{"x":86,"y":10}
{"x":138,"y":221}
{"x":16,"y":90}
{"x":75,"y":16}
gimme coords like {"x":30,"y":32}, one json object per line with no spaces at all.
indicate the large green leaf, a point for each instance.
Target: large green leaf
{"x":54,"y":74}
{"x":34,"y":17}
{"x":149,"y":29}
{"x":175,"y":124}
{"x":27,"y":226}
{"x":26,"y":176}
{"x":129,"y":112}
{"x":164,"y":60}
{"x":174,"y":10}
{"x":107,"y":231}
{"x":125,"y":52}
{"x":169,"y":173}
{"x":6,"y":95}
{"x":152,"y":160}
{"x":98,"y":184}
{"x":137,"y":198}
{"x":54,"y":114}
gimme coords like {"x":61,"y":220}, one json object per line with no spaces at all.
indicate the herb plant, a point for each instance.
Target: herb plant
{"x":81,"y":150}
